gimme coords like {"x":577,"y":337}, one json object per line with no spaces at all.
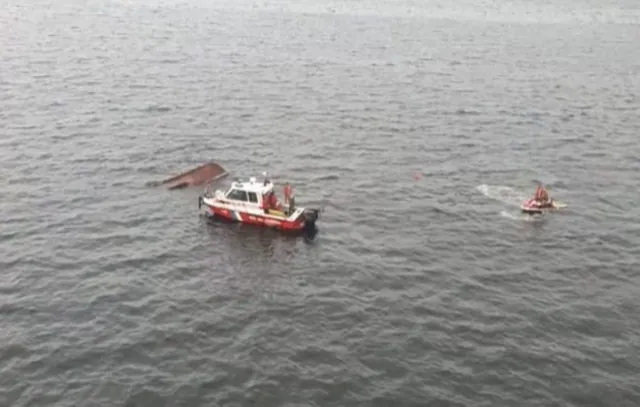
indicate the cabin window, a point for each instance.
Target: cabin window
{"x":253,"y":197}
{"x":237,"y":195}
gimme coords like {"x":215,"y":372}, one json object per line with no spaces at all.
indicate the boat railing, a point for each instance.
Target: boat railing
{"x":208,"y":191}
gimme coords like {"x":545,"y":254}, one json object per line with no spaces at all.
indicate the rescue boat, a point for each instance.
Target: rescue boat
{"x":533,"y":207}
{"x":255,"y":203}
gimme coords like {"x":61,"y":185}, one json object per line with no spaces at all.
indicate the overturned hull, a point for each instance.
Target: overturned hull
{"x":203,"y":174}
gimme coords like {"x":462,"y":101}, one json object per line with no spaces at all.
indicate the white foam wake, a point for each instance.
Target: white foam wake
{"x":521,"y":216}
{"x":504,"y":194}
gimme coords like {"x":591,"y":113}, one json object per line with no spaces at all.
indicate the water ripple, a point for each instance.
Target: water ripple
{"x":418,"y":127}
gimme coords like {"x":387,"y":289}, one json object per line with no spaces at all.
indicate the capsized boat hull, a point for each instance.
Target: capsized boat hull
{"x":205,"y":173}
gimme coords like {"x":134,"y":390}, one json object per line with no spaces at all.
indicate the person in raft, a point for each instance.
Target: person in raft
{"x":542,"y":197}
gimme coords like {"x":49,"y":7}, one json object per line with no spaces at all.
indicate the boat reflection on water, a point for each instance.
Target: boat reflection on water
{"x":247,"y":260}
{"x":253,"y":238}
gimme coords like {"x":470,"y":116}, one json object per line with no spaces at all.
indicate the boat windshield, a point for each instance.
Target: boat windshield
{"x":237,"y":195}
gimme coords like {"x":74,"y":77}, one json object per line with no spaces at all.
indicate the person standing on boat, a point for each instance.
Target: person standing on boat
{"x":288,"y":197}
{"x":273,"y":202}
{"x":264,"y":205}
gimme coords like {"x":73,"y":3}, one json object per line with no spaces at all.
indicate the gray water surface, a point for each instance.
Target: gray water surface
{"x":420,"y":125}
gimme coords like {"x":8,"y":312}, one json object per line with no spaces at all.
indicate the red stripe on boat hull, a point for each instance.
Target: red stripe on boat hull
{"x":251,"y":219}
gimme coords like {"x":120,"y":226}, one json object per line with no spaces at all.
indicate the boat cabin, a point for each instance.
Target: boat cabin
{"x":253,"y":193}
{"x":248,"y":192}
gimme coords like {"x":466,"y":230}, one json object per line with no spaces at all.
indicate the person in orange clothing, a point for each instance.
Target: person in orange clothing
{"x":542,"y":197}
{"x":273,"y":202}
{"x":264,"y":205}
{"x":287,"y":193}
{"x":288,"y":197}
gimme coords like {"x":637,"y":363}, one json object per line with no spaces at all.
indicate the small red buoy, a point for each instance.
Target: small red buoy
{"x":417,"y":176}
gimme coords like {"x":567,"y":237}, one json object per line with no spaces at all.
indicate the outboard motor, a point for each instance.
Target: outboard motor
{"x":310,"y":218}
